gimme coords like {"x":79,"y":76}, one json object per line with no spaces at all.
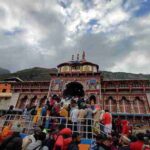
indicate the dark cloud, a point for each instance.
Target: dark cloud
{"x":46,"y":33}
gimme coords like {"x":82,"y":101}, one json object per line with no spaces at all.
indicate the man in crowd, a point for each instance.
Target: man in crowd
{"x":63,"y":139}
{"x":74,"y":115}
{"x":107,"y":120}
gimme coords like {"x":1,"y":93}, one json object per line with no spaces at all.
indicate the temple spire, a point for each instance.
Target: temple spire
{"x":83,"y":56}
{"x":78,"y":57}
{"x":72,"y":57}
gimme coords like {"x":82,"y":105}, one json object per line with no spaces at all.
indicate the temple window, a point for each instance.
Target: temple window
{"x":147,"y":84}
{"x":123,"y":85}
{"x":94,"y":69}
{"x":76,"y":67}
{"x":86,"y":68}
{"x":136,"y":84}
{"x":111,"y":85}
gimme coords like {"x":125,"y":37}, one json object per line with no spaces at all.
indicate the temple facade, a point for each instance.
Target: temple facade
{"x":81,"y":78}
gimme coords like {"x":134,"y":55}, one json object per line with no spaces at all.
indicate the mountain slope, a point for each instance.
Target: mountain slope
{"x":32,"y":74}
{"x":43,"y":74}
{"x":124,"y":75}
{"x":4,"y":71}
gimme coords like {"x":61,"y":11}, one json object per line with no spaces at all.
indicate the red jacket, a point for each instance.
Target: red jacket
{"x":136,"y":145}
{"x":125,"y":127}
{"x":63,"y":139}
{"x":107,"y":118}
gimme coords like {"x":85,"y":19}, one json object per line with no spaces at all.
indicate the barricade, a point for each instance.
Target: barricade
{"x":87,"y":128}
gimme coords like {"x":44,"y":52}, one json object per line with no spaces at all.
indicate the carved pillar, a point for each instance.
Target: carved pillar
{"x":28,"y":100}
{"x":117,"y":103}
{"x":131,"y":104}
{"x":132,"y":108}
{"x":145,"y":106}
{"x":118,"y":107}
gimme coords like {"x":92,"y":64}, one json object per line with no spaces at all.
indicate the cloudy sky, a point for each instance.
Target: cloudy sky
{"x":114,"y":33}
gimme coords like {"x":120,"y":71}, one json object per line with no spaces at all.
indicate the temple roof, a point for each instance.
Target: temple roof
{"x":78,"y":62}
{"x":13,"y":79}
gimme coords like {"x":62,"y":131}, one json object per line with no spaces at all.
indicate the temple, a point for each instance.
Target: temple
{"x":79,"y":77}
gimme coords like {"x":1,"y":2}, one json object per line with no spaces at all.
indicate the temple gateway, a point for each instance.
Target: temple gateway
{"x":81,"y":78}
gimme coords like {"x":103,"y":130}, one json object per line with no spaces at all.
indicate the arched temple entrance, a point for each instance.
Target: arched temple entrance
{"x":74,"y":89}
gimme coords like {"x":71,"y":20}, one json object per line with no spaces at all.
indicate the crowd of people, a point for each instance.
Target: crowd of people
{"x":63,"y":124}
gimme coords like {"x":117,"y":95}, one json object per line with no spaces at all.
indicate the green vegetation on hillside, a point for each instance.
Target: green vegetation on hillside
{"x":33,"y":74}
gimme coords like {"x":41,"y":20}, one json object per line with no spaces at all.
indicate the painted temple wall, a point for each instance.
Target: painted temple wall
{"x":85,"y":68}
{"x":5,"y":103}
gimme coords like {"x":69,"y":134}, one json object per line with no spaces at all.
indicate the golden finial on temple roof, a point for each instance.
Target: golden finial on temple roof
{"x":72,"y":57}
{"x":78,"y":57}
{"x":83,"y":56}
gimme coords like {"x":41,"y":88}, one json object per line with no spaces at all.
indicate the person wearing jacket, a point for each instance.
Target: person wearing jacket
{"x":125,"y":127}
{"x":64,"y":138}
{"x":6,"y":132}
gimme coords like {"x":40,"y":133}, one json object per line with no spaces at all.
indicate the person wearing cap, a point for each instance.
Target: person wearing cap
{"x":63,"y":139}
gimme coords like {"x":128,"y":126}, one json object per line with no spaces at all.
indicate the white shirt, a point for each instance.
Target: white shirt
{"x":34,"y":143}
{"x":74,"y":114}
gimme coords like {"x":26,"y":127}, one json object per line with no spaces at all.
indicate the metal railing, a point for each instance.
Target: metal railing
{"x":87,"y":128}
